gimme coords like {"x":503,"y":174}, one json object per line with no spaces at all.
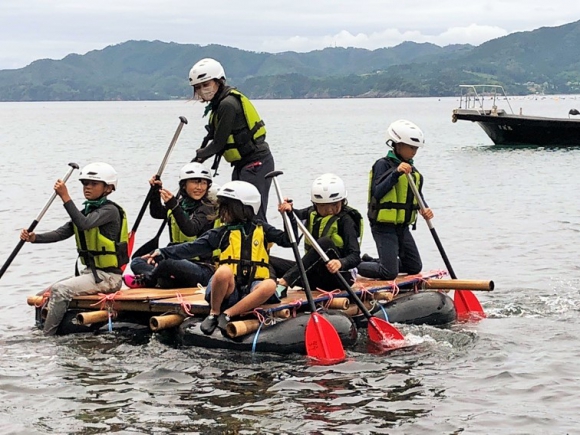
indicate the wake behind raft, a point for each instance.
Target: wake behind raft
{"x":272,"y":328}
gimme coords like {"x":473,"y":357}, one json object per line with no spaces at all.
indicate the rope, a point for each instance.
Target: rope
{"x":330,"y":295}
{"x":45,"y":297}
{"x":263,"y":321}
{"x":106,"y":300}
{"x":106,"y":303}
{"x":295,"y":305}
{"x":185,"y":306}
{"x":384,"y":312}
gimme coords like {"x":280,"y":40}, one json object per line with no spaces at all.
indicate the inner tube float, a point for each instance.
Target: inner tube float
{"x":423,"y":308}
{"x":284,"y":337}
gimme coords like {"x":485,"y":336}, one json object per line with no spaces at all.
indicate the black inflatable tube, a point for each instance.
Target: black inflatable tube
{"x":423,"y":308}
{"x":285,"y":337}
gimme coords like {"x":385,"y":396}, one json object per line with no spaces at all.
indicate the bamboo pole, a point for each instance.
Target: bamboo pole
{"x":242,"y":327}
{"x":339,"y":304}
{"x":35,"y":301}
{"x":353,"y":310}
{"x":90,"y":317}
{"x":383,"y":296}
{"x":156,"y":323}
{"x":458,"y":284}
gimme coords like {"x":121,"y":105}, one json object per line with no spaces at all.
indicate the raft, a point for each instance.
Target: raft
{"x":275,"y":328}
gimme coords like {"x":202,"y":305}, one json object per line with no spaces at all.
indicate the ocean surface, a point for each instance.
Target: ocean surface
{"x":506,"y":214}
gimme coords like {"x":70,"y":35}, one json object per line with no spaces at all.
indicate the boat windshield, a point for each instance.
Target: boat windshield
{"x":473,"y":97}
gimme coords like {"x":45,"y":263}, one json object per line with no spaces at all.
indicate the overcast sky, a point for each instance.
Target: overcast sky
{"x":37,"y":29}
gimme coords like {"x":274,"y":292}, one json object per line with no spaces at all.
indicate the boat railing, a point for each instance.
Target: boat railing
{"x":474,"y":96}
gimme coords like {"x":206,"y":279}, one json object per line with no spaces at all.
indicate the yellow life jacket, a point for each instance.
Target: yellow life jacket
{"x":399,"y":205}
{"x":177,"y":236}
{"x":175,"y":233}
{"x":246,"y":255}
{"x":101,"y":252}
{"x":239,"y":143}
{"x":328,"y":226}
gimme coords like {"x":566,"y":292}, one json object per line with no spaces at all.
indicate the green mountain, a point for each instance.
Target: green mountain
{"x":544,"y":60}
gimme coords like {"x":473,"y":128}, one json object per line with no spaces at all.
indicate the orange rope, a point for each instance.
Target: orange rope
{"x":185,"y":306}
{"x":330,"y":295}
{"x":106,"y":300}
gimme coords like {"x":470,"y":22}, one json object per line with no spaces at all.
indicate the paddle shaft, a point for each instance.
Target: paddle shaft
{"x":182,"y":122}
{"x":35,"y":222}
{"x":423,"y":207}
{"x":292,"y":237}
{"x":153,"y":244}
{"x":325,"y":258}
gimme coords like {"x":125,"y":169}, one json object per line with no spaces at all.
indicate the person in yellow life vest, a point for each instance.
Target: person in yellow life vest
{"x":101,"y":234}
{"x":190,"y":214}
{"x":242,"y":280}
{"x":392,"y":206}
{"x":337,"y":228}
{"x":235,"y":129}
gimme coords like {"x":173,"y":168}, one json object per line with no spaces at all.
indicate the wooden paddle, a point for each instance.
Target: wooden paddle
{"x":35,"y":222}
{"x":321,"y":339}
{"x":466,"y":303}
{"x":380,"y":331}
{"x":153,"y":244}
{"x":182,"y":122}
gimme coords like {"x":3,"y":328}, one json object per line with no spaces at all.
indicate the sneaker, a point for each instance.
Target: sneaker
{"x":281,"y":291}
{"x":223,"y":320}
{"x":137,"y":281}
{"x":367,"y":257}
{"x":209,"y":324}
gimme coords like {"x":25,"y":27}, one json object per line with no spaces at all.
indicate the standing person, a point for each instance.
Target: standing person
{"x":101,"y":234}
{"x":242,"y":280}
{"x":235,"y":129}
{"x":392,"y":206}
{"x":337,"y":229}
{"x":190,"y":214}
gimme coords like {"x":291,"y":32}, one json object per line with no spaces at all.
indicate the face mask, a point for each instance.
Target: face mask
{"x":207,"y":93}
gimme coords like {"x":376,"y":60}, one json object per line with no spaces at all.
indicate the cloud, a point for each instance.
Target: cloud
{"x":38,"y":29}
{"x":472,"y":34}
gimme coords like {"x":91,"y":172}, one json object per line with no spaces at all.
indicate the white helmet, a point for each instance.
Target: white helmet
{"x":406,"y":132}
{"x":205,"y":70}
{"x":327,"y":188}
{"x":243,"y":191}
{"x":100,"y":171}
{"x":195,"y":170}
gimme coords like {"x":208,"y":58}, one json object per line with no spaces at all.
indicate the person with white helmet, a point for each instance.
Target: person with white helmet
{"x":242,"y":280}
{"x":101,"y":234}
{"x":235,"y":129}
{"x":190,"y":214}
{"x":337,"y":228}
{"x":392,"y":206}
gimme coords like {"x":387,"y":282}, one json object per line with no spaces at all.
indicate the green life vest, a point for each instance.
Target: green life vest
{"x":327,"y":226}
{"x":399,"y":206}
{"x":246,"y":254}
{"x":101,"y":252}
{"x":175,"y":233}
{"x":239,"y":143}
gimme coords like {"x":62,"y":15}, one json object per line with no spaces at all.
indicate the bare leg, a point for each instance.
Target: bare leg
{"x":222,"y":286}
{"x":258,"y":296}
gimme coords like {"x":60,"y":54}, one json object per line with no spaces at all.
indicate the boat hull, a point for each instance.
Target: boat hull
{"x":506,"y":129}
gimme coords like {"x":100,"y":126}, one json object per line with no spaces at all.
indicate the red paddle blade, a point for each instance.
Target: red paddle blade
{"x":383,"y":333}
{"x":467,"y":306}
{"x":322,"y":341}
{"x":130,"y":244}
